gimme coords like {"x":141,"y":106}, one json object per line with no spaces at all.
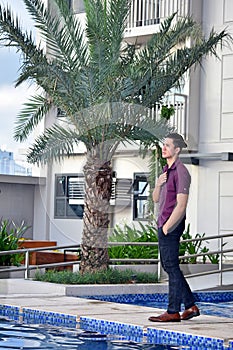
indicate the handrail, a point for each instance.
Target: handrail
{"x":182,"y":241}
{"x":30,"y":250}
{"x":27,"y":252}
{"x":145,"y":13}
{"x":27,"y":267}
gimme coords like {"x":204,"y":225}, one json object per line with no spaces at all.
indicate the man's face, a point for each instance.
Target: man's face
{"x":169,"y":150}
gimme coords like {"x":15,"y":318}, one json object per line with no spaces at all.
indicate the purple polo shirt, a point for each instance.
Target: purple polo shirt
{"x":178,"y":181}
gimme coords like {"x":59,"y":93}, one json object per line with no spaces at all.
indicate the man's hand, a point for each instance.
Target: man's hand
{"x":162,"y":179}
{"x":165,"y":229}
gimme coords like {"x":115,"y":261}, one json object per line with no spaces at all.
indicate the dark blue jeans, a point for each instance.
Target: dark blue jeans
{"x":179,"y":290}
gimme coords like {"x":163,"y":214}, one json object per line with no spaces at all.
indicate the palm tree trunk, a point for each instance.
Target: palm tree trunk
{"x":98,"y":178}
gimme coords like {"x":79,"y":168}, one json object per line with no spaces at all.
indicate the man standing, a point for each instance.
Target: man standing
{"x":171,"y":191}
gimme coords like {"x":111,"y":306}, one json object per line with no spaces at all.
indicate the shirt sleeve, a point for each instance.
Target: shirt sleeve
{"x":184,"y":180}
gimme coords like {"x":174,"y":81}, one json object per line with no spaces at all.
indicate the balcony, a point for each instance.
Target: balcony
{"x":145,"y":15}
{"x":179,"y":119}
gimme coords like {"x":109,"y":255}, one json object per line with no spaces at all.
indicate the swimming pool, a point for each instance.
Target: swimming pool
{"x":210,"y":303}
{"x":104,"y":334}
{"x":15,"y":335}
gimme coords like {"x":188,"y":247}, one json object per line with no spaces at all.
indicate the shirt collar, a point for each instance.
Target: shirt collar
{"x":174,"y":165}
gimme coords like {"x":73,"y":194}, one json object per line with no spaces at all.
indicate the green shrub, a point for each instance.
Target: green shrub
{"x":146,"y":233}
{"x":110,"y":276}
{"x":10,"y":234}
{"x":196,"y":247}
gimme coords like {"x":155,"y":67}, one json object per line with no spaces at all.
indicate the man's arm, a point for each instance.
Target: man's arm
{"x":177,"y":214}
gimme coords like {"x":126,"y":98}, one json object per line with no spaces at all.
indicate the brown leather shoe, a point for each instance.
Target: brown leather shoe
{"x":166,"y":317}
{"x":190,"y":313}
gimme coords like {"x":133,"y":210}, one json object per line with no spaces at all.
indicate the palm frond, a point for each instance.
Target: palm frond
{"x":65,"y":89}
{"x":30,"y":116}
{"x":11,"y":35}
{"x":58,"y":35}
{"x":149,"y":132}
{"x":163,"y":44}
{"x":181,"y":61}
{"x":165,"y":26}
{"x":74,"y":34}
{"x":49,"y":75}
{"x":105,"y":28}
{"x":162,"y":64}
{"x":121,"y":122}
{"x":116,"y":23}
{"x":53,"y":145}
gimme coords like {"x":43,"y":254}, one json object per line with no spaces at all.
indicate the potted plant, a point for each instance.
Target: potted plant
{"x":10,"y":235}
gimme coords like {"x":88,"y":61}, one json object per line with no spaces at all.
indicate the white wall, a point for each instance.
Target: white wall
{"x":192,"y":208}
{"x":226,"y":205}
{"x":64,"y":231}
{"x":215,"y":200}
{"x":19,"y":201}
{"x":40,"y":231}
{"x":216,"y":109}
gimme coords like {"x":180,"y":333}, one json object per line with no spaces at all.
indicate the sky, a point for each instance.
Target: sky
{"x":11,"y":98}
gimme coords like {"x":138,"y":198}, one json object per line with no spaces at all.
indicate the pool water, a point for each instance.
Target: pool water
{"x":211,"y":303}
{"x":221,"y":309}
{"x":15,"y":335}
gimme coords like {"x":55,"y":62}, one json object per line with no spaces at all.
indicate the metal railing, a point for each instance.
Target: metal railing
{"x":27,"y":267}
{"x":150,"y":12}
{"x":179,"y":119}
{"x":76,"y":248}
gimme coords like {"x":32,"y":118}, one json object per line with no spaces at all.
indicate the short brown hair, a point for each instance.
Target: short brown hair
{"x":177,"y":140}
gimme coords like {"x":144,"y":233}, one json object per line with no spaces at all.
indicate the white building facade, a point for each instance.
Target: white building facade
{"x":204,"y":115}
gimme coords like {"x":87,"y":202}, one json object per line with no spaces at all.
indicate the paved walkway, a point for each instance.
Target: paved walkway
{"x":52,"y":298}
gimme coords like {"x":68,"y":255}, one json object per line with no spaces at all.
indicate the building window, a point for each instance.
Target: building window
{"x":69,"y":196}
{"x":78,"y":6}
{"x":140,"y":197}
{"x":70,"y":191}
{"x":121,"y":192}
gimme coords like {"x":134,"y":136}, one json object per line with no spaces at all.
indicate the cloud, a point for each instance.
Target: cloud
{"x":11,"y":102}
{"x":18,"y":8}
{"x":11,"y":98}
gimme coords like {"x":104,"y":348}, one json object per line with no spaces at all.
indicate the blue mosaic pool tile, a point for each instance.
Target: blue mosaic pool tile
{"x":214,"y":296}
{"x":12,"y":312}
{"x":161,"y":336}
{"x":130,"y":298}
{"x":231,"y":345}
{"x":131,"y":332}
{"x":58,"y":319}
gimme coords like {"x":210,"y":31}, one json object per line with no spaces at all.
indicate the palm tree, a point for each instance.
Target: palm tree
{"x":105,"y":89}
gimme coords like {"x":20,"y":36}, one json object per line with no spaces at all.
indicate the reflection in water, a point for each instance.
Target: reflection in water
{"x":15,"y":335}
